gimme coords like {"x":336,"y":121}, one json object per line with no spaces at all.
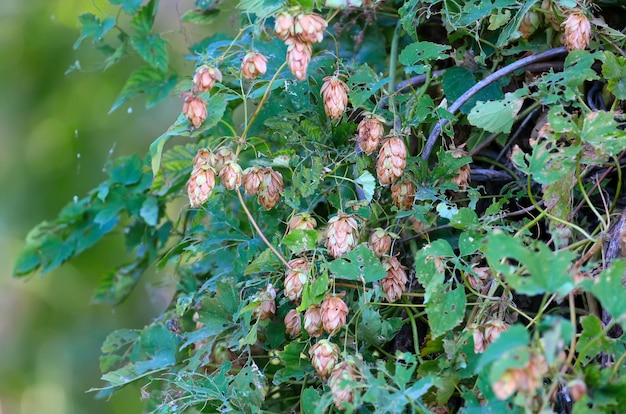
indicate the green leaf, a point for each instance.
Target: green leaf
{"x":605,"y":287}
{"x":262,"y":8}
{"x":91,"y":26}
{"x":150,"y":211}
{"x":143,"y":21}
{"x":593,"y":340}
{"x":309,"y":400}
{"x":510,"y":33}
{"x":149,"y":80}
{"x":125,"y":170}
{"x":498,"y":116}
{"x":457,"y":80}
{"x":200,"y":17}
{"x":153,"y":49}
{"x":175,"y":169}
{"x":54,"y":252}
{"x":363,"y":84}
{"x":130,"y":7}
{"x":517,"y":336}
{"x":421,"y":52}
{"x":464,"y":218}
{"x":614,"y":70}
{"x":367,"y":182}
{"x":27,"y":261}
{"x":445,"y":309}
{"x":265,"y":262}
{"x":295,"y":367}
{"x":602,"y":131}
{"x":359,"y":264}
{"x":375,"y":330}
{"x":299,"y":241}
{"x":117,"y":284}
{"x":538,"y":270}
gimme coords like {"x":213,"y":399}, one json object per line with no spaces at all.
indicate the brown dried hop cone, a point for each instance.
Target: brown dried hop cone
{"x":310,"y":27}
{"x":231,"y":175}
{"x":379,"y":242}
{"x":334,"y":313}
{"x":295,"y":277}
{"x":298,"y":56}
{"x":341,"y":234}
{"x":284,"y":26}
{"x":270,"y":189}
{"x":253,"y":65}
{"x":526,"y":379}
{"x":252,"y":179}
{"x":302,"y":221}
{"x":394,"y":284}
{"x":370,"y":131}
{"x":324,"y":355}
{"x":313,"y":321}
{"x":391,"y":160}
{"x":200,"y":184}
{"x":339,"y":381}
{"x":205,"y":77}
{"x":335,"y":94}
{"x":529,"y":24}
{"x":267,"y":304}
{"x":463,"y":174}
{"x":293,"y":325}
{"x":577,"y":31}
{"x":222,"y":156}
{"x":194,"y":109}
{"x":403,"y":194}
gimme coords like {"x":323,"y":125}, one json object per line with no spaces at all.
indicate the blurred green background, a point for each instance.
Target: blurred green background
{"x":55,"y":138}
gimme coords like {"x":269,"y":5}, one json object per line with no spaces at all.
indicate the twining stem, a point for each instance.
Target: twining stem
{"x":258,"y":230}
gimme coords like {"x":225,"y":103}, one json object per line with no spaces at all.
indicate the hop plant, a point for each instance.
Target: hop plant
{"x":195,"y":110}
{"x":293,"y":325}
{"x":341,"y":234}
{"x":310,"y":27}
{"x":394,"y":284}
{"x":334,"y":313}
{"x":253,"y":65}
{"x":295,"y":277}
{"x":577,"y":31}
{"x":379,"y":242}
{"x":231,"y":175}
{"x":205,"y":77}
{"x":403,"y":194}
{"x":324,"y":355}
{"x":270,"y":189}
{"x":252,"y":179}
{"x":298,"y":57}
{"x":335,"y":94}
{"x":341,"y":381}
{"x":391,"y":160}
{"x":370,"y":130}
{"x":313,"y":321}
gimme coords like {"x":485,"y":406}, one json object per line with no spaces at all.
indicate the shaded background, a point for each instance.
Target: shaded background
{"x":55,"y":137}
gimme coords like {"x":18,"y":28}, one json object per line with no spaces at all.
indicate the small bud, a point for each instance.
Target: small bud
{"x":341,"y":234}
{"x":403,"y":194}
{"x":295,"y":277}
{"x":394,"y":284}
{"x":231,"y":175}
{"x":313,"y":321}
{"x":391,"y":160}
{"x":293,"y":325}
{"x":335,"y":94}
{"x":298,"y":57}
{"x":334,"y":313}
{"x":195,"y":110}
{"x":577,"y":31}
{"x":252,"y":179}
{"x":370,"y":131}
{"x":205,"y":77}
{"x":463,"y":174}
{"x":380,"y":242}
{"x":284,"y":26}
{"x":310,"y":27}
{"x":253,"y":65}
{"x":270,"y":189}
{"x":324,"y":355}
{"x":302,"y":221}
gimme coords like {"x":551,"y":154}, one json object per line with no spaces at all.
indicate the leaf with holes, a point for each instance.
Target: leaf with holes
{"x":358,"y":264}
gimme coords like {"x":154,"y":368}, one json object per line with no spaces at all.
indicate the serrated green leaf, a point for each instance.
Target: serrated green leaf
{"x":92,"y":26}
{"x":498,"y":116}
{"x":360,"y":264}
{"x":295,"y":367}
{"x":593,"y":341}
{"x":143,"y":21}
{"x":265,"y":262}
{"x":614,"y":70}
{"x":153,"y":49}
{"x":299,"y":241}
{"x":117,"y":284}
{"x":175,"y":169}
{"x":538,"y":270}
{"x":548,"y":162}
{"x":27,"y":261}
{"x":148,"y":80}
{"x":422,"y":52}
{"x":309,"y":400}
{"x":200,"y":17}
{"x":130,"y":7}
{"x":367,"y":182}
{"x":464,"y":218}
{"x":262,"y":8}
{"x":125,"y":170}
{"x":445,"y":308}
{"x":602,"y":131}
{"x":472,"y":11}
{"x":150,"y":211}
{"x":605,"y":287}
{"x":470,"y":242}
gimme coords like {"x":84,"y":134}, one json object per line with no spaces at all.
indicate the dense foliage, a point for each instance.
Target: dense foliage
{"x":394,"y":207}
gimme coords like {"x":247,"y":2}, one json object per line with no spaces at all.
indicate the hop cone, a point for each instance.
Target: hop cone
{"x":334,"y":313}
{"x":284,"y":26}
{"x":391,"y":160}
{"x":222,"y":156}
{"x":577,"y":31}
{"x":313,"y":321}
{"x":462,"y":175}
{"x":231,"y":175}
{"x":202,"y":180}
{"x":394,"y":284}
{"x":295,"y":278}
{"x":252,"y":179}
{"x":205,"y":77}
{"x":380,"y":242}
{"x":267,"y":304}
{"x":341,"y":234}
{"x":270,"y":189}
{"x":370,"y":131}
{"x":324,"y":355}
{"x":339,"y":381}
{"x":293,"y":326}
{"x":403,"y":194}
{"x":335,"y":94}
{"x":310,"y":27}
{"x":302,"y":221}
{"x":298,"y":56}
{"x":253,"y":65}
{"x":195,"y":110}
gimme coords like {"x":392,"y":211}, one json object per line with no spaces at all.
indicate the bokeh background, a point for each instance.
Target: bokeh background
{"x":55,"y":137}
